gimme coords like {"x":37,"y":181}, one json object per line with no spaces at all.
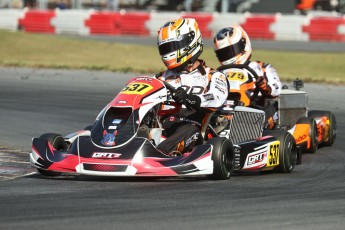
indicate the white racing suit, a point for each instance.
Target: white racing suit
{"x":266,"y":70}
{"x":183,"y":129}
{"x":273,"y":84}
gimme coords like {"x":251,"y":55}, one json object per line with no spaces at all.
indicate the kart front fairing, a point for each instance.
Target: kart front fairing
{"x":112,"y":148}
{"x":118,"y":122}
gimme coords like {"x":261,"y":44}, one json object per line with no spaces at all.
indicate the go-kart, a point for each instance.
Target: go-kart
{"x":311,"y":129}
{"x":114,"y":146}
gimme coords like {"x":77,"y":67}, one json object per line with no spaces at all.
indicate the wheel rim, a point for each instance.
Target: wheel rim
{"x":293,"y":157}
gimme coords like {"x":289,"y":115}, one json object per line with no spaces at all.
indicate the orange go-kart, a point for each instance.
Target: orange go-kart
{"x":311,"y":129}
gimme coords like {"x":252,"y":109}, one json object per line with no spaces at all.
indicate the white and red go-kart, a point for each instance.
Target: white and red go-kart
{"x":112,"y":146}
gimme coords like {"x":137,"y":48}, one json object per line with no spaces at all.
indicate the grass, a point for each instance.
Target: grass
{"x":48,"y":51}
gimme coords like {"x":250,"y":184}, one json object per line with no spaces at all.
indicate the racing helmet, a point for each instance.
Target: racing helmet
{"x":232,"y":45}
{"x":179,"y":43}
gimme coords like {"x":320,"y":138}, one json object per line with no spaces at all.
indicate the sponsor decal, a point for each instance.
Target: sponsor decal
{"x":116,"y":121}
{"x":172,"y":118}
{"x":222,"y":90}
{"x":178,"y":38}
{"x":144,"y":78}
{"x":104,"y":155}
{"x":190,"y":101}
{"x":193,"y":89}
{"x":221,"y":83}
{"x":256,"y":158}
{"x":301,"y":138}
{"x":192,"y":138}
{"x":208,"y":97}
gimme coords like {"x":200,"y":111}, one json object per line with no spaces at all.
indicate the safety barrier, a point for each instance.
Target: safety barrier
{"x":105,"y":23}
{"x":37,"y":21}
{"x":157,"y":20}
{"x":224,"y":20}
{"x":133,"y":23}
{"x":9,"y":19}
{"x":289,"y":27}
{"x":258,"y":26}
{"x":326,"y":29}
{"x":85,"y":22}
{"x":71,"y":22}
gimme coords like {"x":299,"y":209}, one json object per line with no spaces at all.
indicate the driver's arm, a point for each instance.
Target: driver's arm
{"x":216,"y":91}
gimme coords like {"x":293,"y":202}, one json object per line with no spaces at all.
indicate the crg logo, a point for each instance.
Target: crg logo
{"x":256,"y":158}
{"x":106,"y":155}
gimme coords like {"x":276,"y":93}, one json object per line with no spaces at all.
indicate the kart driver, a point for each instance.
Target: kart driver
{"x":232,"y":46}
{"x":200,"y":89}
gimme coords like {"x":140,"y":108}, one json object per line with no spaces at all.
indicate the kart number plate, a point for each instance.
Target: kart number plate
{"x":273,"y":156}
{"x":137,"y":88}
{"x":236,"y":76}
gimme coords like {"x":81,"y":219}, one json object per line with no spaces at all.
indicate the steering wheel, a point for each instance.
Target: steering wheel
{"x":177,"y":106}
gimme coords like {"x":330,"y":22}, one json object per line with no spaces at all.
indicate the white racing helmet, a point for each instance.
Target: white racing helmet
{"x":232,"y":45}
{"x":179,"y":43}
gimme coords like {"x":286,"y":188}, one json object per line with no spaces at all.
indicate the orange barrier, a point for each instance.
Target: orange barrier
{"x":203,"y":21}
{"x":325,"y":29}
{"x":104,"y":23}
{"x":258,"y":26}
{"x":133,"y":23}
{"x":37,"y":21}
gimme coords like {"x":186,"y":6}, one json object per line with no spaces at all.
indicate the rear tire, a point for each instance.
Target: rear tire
{"x":223,"y":157}
{"x":287,"y":150}
{"x":312,"y":133}
{"x":58,"y":142}
{"x":332,"y":132}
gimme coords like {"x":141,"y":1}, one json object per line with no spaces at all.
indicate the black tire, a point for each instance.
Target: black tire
{"x":223,"y":157}
{"x":287,"y":150}
{"x":312,"y":133}
{"x":58,"y":142}
{"x":332,"y":132}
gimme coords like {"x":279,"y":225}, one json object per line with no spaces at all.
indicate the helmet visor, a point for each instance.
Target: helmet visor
{"x":229,"y":52}
{"x":181,"y":42}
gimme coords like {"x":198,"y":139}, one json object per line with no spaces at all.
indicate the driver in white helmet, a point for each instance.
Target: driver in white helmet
{"x":199,"y":88}
{"x":232,"y":46}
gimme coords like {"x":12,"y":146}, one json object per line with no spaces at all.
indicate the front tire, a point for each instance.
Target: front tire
{"x":223,"y":157}
{"x":58,"y":143}
{"x":287,"y":150}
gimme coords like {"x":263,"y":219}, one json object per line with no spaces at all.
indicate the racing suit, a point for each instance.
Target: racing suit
{"x":269,"y":86}
{"x":207,"y":90}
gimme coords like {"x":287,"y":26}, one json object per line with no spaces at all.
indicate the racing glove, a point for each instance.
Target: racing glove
{"x":189,"y":100}
{"x":261,"y":83}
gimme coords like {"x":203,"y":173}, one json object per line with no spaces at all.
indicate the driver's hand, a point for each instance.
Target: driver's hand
{"x":261,"y":83}
{"x":180,"y":95}
{"x":191,"y":101}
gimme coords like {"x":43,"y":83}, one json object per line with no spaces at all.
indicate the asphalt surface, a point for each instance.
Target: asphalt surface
{"x":34,"y":101}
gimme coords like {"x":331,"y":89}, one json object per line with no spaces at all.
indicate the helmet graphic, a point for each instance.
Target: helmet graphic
{"x":179,"y":43}
{"x":232,"y":45}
